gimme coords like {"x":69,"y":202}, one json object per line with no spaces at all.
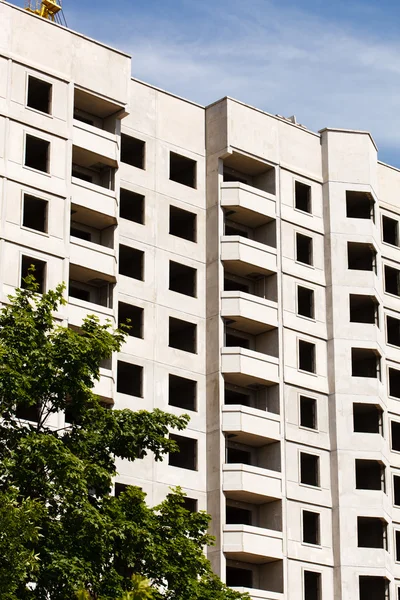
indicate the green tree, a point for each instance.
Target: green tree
{"x":89,"y":539}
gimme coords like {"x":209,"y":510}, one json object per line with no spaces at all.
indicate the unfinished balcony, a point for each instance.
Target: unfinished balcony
{"x":252,"y":544}
{"x":249,"y":483}
{"x":244,"y":169}
{"x":249,"y":313}
{"x":260,"y":581}
{"x":247,"y":205}
{"x":92,"y":240}
{"x":250,"y":425}
{"x":96,"y":112}
{"x":250,"y":359}
{"x":92,"y":170}
{"x":95,"y":140}
{"x":89,"y":291}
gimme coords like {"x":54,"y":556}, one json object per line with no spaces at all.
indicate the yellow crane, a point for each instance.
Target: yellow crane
{"x":48,"y":9}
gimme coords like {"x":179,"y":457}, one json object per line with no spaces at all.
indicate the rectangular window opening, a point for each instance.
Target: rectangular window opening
{"x":131,"y":206}
{"x":394,"y":383}
{"x":373,"y":588}
{"x":186,"y":458}
{"x":311,"y":529}
{"x":361,"y":257}
{"x":363,"y":309}
{"x":37,"y":153}
{"x":242,"y":578}
{"x":312,"y":585}
{"x":365,"y":362}
{"x":395,"y":435}
{"x":304,"y":249}
{"x":133,"y":151}
{"x":367,"y":418}
{"x":370,"y":475}
{"x":133,"y":317}
{"x":305,"y":302}
{"x":392,"y":281}
{"x":309,"y":469}
{"x":397,"y":543}
{"x":390,"y":231}
{"x":39,"y":272}
{"x":129,"y":379}
{"x":182,"y":392}
{"x":182,"y":279}
{"x":182,"y":170}
{"x":131,"y":262}
{"x":182,"y":224}
{"x":182,"y":335}
{"x":393,"y":331}
{"x":190,"y":504}
{"x":39,"y":95}
{"x":308,"y":412}
{"x":238,"y":516}
{"x":306,"y":356}
{"x":359,"y":205}
{"x":35,"y":213}
{"x":371,"y":532}
{"x":302,"y":194}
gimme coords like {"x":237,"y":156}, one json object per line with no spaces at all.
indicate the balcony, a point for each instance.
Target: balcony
{"x":249,"y":313}
{"x":243,"y":367}
{"x":246,"y":483}
{"x":245,"y":257}
{"x":250,"y":425}
{"x":95,"y":140}
{"x":259,"y":594}
{"x":93,"y":256}
{"x":247,"y":205}
{"x":252,"y":544}
{"x":104,"y":388}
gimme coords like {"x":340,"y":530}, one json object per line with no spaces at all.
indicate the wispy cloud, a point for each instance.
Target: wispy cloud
{"x":281,"y":60}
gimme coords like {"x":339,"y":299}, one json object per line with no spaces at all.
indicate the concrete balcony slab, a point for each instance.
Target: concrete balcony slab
{"x":250,"y":425}
{"x":93,"y":256}
{"x":252,"y":544}
{"x":241,"y":366}
{"x":247,"y":205}
{"x":96,"y":140}
{"x":255,"y":485}
{"x":246,"y":257}
{"x":259,"y":594}
{"x":94,"y":197}
{"x":249,"y":313}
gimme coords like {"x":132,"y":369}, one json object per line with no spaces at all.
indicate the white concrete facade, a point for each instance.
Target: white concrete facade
{"x":260,"y":265}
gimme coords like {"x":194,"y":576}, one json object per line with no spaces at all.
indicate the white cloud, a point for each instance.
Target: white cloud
{"x":280,"y":60}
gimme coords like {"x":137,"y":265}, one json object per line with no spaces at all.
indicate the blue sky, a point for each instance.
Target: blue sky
{"x":334,"y":64}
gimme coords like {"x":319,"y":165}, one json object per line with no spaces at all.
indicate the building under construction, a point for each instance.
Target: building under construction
{"x":259,"y":264}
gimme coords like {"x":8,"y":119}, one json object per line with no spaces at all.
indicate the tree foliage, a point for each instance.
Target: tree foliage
{"x":68,"y":532}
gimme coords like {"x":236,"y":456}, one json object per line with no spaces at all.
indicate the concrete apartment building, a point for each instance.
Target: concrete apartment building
{"x":260,"y":265}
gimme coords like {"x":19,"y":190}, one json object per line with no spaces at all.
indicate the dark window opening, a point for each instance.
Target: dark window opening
{"x":306,"y":356}
{"x":132,"y":151}
{"x":190,"y":504}
{"x":304,"y":249}
{"x":76,"y":172}
{"x":305,"y":302}
{"x":131,"y":262}
{"x":186,"y":458}
{"x":312,"y":585}
{"x":120,"y":488}
{"x":182,"y":392}
{"x":371,"y":532}
{"x":131,"y":316}
{"x":239,"y":577}
{"x":370,"y":475}
{"x":238,"y":516}
{"x":232,"y":176}
{"x":363,"y":309}
{"x":393,"y":331}
{"x":232,"y":340}
{"x":359,"y":205}
{"x":311,"y":527}
{"x":397,"y":540}
{"x":35,"y":213}
{"x":392,"y":281}
{"x":182,"y":223}
{"x":309,"y":469}
{"x":79,"y":233}
{"x":182,"y":335}
{"x":39,"y":272}
{"x":394,"y":383}
{"x":238,"y":456}
{"x":182,"y":169}
{"x":395,"y":431}
{"x":396,"y":490}
{"x":367,"y":418}
{"x":129,"y":379}
{"x":390,"y":231}
{"x":28,"y":412}
{"x":302,"y":194}
{"x":39,"y":95}
{"x":365,"y":362}
{"x":37,"y":153}
{"x":361,"y":257}
{"x":234,"y":286}
{"x":373,"y":588}
{"x":131,"y":206}
{"x":235,"y":230}
{"x":308,"y":412}
{"x":232,"y":397}
{"x":182,"y":279}
{"x":79,"y":293}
